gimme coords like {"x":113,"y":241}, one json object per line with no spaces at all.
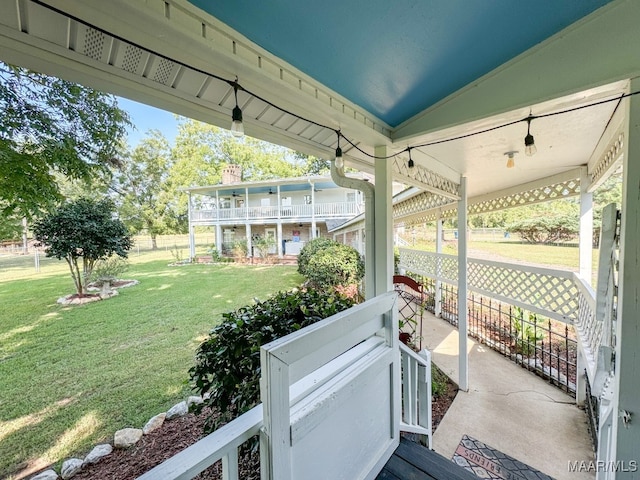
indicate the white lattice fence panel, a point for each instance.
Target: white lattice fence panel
{"x":549,"y":292}
{"x":423,"y":177}
{"x":429,"y":264}
{"x":564,"y":189}
{"x":609,"y":158}
{"x":419,"y":204}
{"x":552,"y":293}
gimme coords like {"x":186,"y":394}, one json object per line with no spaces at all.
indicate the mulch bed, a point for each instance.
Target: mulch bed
{"x":176,"y":435}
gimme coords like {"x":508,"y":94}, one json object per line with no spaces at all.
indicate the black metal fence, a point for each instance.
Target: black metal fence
{"x":541,"y":345}
{"x":592,"y":409}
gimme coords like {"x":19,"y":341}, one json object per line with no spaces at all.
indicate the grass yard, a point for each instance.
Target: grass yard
{"x":72,"y":376}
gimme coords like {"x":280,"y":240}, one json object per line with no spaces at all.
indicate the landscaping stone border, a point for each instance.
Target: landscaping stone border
{"x":123,"y":438}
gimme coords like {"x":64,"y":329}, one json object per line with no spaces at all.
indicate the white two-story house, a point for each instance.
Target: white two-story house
{"x":290,"y":211}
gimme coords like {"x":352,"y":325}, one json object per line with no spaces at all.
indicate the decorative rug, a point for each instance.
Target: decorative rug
{"x":487,"y":462}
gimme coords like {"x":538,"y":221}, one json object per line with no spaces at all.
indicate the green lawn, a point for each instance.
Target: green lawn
{"x":72,"y":376}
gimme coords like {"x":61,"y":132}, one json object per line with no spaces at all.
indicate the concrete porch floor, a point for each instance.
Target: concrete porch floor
{"x":508,"y":408}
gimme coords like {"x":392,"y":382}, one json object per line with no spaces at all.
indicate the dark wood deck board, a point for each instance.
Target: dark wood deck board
{"x":411,"y":461}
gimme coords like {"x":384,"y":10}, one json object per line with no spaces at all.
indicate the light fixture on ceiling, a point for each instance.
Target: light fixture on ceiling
{"x":339,"y":161}
{"x":529,"y":143}
{"x":237,"y":129}
{"x":510,"y":161}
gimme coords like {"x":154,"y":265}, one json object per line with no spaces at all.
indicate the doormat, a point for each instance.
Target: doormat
{"x":487,"y":462}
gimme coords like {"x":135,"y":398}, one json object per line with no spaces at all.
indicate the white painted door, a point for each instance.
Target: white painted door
{"x":270,"y":233}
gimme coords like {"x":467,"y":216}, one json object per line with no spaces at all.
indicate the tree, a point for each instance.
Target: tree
{"x":141,"y":185}
{"x":50,"y":125}
{"x":83,"y":229}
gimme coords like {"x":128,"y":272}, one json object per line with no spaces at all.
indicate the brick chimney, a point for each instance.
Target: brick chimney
{"x":231,"y":174}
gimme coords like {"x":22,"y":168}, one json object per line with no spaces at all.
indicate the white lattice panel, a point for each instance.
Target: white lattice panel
{"x":551,"y":293}
{"x":555,"y":191}
{"x":423,"y":177}
{"x":610,"y":156}
{"x":538,"y":194}
{"x":420,"y":203}
{"x":429,"y":264}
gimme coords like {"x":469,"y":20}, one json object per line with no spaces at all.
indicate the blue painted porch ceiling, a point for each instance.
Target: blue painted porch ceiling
{"x":395,"y":58}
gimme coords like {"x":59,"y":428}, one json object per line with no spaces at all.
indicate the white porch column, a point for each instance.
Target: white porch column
{"x":192,"y":237}
{"x":219,"y":237}
{"x":463,"y":356}
{"x":626,"y":432}
{"x":279,"y":226}
{"x":247,"y":229}
{"x":438,"y":283}
{"x":313,"y":211}
{"x":586,"y":226}
{"x":384,"y":223}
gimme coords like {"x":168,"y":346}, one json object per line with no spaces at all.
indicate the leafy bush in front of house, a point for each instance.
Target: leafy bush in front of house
{"x":330,"y":264}
{"x":548,"y":229}
{"x":309,"y":250}
{"x":109,"y":269}
{"x":228,"y":362}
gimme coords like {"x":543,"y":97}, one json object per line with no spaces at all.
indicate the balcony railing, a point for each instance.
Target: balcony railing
{"x":298,"y":212}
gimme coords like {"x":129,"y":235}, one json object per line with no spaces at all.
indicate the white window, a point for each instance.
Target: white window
{"x":225,"y":202}
{"x":351,"y":197}
{"x":265,"y":202}
{"x":307,"y":199}
{"x":285,"y":201}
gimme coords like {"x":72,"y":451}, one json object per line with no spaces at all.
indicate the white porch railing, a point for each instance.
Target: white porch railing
{"x":416,"y":393}
{"x":321,"y":210}
{"x":327,"y":386}
{"x":221,"y":445}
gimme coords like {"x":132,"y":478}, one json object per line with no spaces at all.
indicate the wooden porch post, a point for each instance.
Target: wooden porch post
{"x":438,"y":284}
{"x":463,"y":357}
{"x":626,"y":432}
{"x":384,"y":224}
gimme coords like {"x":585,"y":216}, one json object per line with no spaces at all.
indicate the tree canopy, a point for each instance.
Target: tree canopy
{"x":50,"y":125}
{"x":83,"y":229}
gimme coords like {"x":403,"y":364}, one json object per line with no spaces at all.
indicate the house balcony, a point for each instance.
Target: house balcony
{"x":285,"y":212}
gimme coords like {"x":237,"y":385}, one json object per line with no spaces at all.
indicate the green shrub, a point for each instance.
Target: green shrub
{"x":329,"y":264}
{"x":309,"y":250}
{"x":558,"y":228}
{"x":109,"y":269}
{"x":228,"y":362}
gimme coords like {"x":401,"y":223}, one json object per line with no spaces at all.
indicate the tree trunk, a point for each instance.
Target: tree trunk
{"x":75,"y":273}
{"x":154,"y":243}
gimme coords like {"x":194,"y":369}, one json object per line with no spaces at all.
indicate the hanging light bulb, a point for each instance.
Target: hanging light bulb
{"x":411,"y":165}
{"x":510,"y":161}
{"x":529,"y":143}
{"x":237,"y":129}
{"x":339,"y":161}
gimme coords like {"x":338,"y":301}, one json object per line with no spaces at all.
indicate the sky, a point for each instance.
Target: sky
{"x":145,"y":118}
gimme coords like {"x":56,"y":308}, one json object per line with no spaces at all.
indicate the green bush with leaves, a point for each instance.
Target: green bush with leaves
{"x":330,"y":264}
{"x":558,"y":228}
{"x":309,"y":250}
{"x":228,"y":363}
{"x":109,"y":269}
